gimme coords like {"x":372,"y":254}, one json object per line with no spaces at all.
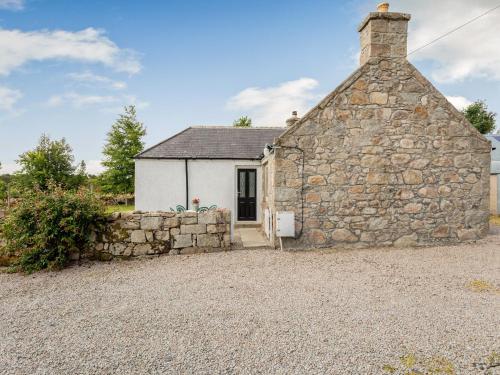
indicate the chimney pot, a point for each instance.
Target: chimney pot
{"x":383,"y":7}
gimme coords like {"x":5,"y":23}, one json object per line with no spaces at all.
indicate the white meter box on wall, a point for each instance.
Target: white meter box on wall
{"x":285,"y":224}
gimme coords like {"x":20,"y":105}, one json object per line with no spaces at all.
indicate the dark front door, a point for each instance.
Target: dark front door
{"x":247,"y":194}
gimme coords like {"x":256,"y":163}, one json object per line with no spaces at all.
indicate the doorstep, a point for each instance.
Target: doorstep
{"x":250,"y":238}
{"x":247,"y":224}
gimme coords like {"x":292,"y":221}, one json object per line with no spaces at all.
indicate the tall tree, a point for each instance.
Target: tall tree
{"x":243,"y":122}
{"x":123,"y":143}
{"x":50,"y":161}
{"x":478,"y":115}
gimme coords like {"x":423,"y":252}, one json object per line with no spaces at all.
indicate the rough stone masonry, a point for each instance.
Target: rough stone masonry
{"x":148,"y":233}
{"x":384,"y":159}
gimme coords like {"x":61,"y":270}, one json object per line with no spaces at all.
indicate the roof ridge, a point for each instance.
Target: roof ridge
{"x":234,"y":127}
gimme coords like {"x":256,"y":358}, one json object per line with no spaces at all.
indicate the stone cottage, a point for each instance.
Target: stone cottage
{"x":384,"y":159}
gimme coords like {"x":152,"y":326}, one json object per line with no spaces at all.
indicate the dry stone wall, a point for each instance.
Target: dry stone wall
{"x":387,"y":161}
{"x":148,"y":233}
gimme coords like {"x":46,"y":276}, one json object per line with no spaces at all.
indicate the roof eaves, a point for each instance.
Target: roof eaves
{"x":197,"y":158}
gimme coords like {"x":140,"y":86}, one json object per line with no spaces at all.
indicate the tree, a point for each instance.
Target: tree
{"x":124,"y":141}
{"x":478,"y":115}
{"x":50,"y":162}
{"x":3,"y":189}
{"x":243,"y":122}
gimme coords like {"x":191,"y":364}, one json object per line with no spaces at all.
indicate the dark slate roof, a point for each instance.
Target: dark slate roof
{"x":214,"y":142}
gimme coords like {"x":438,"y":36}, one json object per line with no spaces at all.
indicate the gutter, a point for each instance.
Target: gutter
{"x":192,"y":158}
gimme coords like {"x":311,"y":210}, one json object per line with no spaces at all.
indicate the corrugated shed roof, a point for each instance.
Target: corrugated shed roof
{"x":214,"y":142}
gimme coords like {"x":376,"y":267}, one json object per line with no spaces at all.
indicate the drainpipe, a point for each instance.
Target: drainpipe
{"x":187,"y":183}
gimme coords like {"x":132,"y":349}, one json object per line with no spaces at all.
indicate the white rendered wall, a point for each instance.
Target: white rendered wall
{"x":160,"y":184}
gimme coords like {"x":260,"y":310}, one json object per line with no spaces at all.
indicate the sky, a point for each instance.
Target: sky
{"x":67,"y":68}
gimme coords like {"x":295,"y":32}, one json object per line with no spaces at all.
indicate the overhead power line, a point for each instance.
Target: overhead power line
{"x":455,"y":29}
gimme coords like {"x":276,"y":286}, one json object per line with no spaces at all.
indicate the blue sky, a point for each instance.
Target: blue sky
{"x":67,"y":67}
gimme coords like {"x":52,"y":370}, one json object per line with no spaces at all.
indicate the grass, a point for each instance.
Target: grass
{"x":389,"y":369}
{"x":495,"y":220}
{"x":7,"y":260}
{"x":409,"y":364}
{"x":482,"y":286}
{"x":490,"y":362}
{"x":119,"y":208}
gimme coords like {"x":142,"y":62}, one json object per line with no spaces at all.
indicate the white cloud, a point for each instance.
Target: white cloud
{"x":94,"y":79}
{"x":460,"y":102}
{"x":467,"y":53}
{"x":106,"y":103}
{"x":8,"y":168}
{"x":8,"y":97}
{"x":133,"y":100}
{"x":79,"y":100}
{"x":94,"y":167}
{"x":12,"y":4}
{"x":89,"y":45}
{"x":126,"y":100}
{"x":273,"y":105}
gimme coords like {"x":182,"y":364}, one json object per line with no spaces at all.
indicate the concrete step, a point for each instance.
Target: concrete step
{"x":250,"y":238}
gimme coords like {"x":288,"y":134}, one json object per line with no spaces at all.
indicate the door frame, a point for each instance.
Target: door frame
{"x":254,"y":168}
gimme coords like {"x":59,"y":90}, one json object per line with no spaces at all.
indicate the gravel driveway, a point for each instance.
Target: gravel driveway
{"x":335,"y":312}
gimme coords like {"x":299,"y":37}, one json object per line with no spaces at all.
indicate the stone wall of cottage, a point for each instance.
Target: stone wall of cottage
{"x":387,"y":161}
{"x":149,"y":233}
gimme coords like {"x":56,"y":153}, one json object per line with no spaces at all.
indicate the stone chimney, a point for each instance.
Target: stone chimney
{"x":292,"y":120}
{"x":384,"y":34}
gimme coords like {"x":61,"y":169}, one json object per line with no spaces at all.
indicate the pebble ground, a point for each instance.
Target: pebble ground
{"x":258,"y":312}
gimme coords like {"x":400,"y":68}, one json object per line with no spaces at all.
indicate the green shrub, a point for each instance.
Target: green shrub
{"x":46,"y":226}
{"x":3,"y":191}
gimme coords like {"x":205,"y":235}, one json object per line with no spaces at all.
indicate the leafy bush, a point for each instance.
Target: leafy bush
{"x":46,"y":226}
{"x":3,"y":192}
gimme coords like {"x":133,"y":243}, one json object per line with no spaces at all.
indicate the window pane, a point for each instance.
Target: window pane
{"x":251,"y":181}
{"x":241,"y":188}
